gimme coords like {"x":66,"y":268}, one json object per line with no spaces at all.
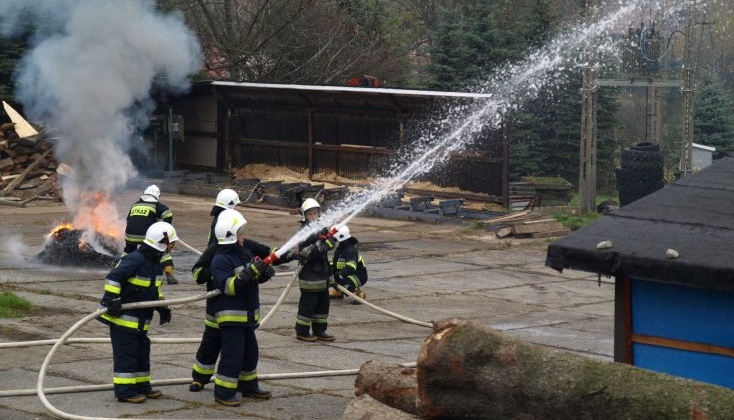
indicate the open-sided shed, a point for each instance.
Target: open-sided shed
{"x":672,"y":314}
{"x":354,"y":132}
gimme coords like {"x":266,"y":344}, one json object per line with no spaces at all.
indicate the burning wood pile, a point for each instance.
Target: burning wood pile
{"x":27,"y":167}
{"x":67,"y":246}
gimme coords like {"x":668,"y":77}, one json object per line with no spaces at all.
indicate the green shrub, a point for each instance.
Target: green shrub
{"x":13,"y":306}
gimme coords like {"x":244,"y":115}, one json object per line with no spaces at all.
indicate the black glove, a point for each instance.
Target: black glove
{"x":164,"y":313}
{"x":261,"y":272}
{"x":245,"y":275}
{"x":323,"y":233}
{"x":114,"y":306}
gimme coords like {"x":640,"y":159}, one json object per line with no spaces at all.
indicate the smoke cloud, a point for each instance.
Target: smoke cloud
{"x":89,"y":74}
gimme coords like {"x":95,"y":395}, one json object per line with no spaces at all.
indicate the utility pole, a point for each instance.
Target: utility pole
{"x":587,"y":149}
{"x":587,"y":163}
{"x":689,"y":111}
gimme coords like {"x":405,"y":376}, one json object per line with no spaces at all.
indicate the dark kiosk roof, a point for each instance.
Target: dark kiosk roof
{"x":694,"y":216}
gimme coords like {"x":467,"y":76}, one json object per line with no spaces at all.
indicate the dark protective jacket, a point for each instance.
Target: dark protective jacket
{"x":349,"y":268}
{"x":239,"y":303}
{"x":202,"y":275}
{"x":136,"y":278}
{"x":142,"y":214}
{"x":216,"y":210}
{"x":315,"y":275}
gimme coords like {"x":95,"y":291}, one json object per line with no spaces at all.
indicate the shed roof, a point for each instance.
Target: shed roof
{"x":693,"y":216}
{"x":384,"y":99}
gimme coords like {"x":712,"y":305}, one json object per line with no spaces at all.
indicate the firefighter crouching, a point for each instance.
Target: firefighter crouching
{"x":237,"y":270}
{"x":136,"y":278}
{"x":348,"y":265}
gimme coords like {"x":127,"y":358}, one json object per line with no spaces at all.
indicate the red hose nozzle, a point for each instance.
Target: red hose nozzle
{"x":271,"y":258}
{"x":332,"y":232}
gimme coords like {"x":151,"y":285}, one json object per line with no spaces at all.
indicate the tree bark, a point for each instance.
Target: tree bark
{"x":466,"y":370}
{"x":367,"y":408}
{"x":395,"y":386}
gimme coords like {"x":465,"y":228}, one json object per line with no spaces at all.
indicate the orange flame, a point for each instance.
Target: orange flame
{"x":58,"y":228}
{"x":97,"y":213}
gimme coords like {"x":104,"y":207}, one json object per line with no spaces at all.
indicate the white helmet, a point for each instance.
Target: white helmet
{"x":152,"y":191}
{"x":307,"y":205}
{"x":342,"y":233}
{"x":159,"y":235}
{"x":228,"y":222}
{"x":227,"y":199}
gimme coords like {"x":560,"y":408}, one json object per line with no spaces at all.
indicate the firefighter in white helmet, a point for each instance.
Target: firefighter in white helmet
{"x":314,"y":278}
{"x":236,"y":269}
{"x":142,"y":214}
{"x":348,"y":265}
{"x":136,"y":278}
{"x":226,"y":199}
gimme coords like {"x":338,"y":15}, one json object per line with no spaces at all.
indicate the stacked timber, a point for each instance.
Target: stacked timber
{"x":468,"y":371}
{"x":27,"y":167}
{"x":525,"y":224}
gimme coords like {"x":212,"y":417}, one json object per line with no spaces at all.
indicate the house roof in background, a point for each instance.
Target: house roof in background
{"x":693,"y":216}
{"x":345,"y":97}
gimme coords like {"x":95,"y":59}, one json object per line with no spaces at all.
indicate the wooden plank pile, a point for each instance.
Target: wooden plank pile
{"x":525,"y":224}
{"x":27,"y":168}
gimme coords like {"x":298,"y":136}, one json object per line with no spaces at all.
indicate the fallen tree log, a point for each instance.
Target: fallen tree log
{"x":367,"y":408}
{"x":393,"y":385}
{"x":466,"y":370}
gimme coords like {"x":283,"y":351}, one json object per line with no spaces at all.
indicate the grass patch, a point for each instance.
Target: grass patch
{"x":576,"y":221}
{"x":13,"y":306}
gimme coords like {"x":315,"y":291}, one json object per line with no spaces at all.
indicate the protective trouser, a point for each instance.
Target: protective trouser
{"x":131,"y":356}
{"x":206,"y":355}
{"x":237,"y":370}
{"x":313,"y":312}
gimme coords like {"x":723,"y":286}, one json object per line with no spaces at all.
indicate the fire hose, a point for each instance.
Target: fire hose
{"x":150,"y":304}
{"x":63,"y":339}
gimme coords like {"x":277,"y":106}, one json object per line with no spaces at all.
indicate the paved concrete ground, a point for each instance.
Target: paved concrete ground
{"x":425,"y":272}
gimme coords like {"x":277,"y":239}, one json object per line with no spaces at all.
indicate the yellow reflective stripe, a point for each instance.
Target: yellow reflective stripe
{"x":166,"y":258}
{"x":124,"y":322}
{"x":197,"y":271}
{"x":112,"y":289}
{"x":123,"y":381}
{"x":248,"y":376}
{"x":202,"y":370}
{"x":139,"y":282}
{"x":361,"y":260}
{"x":340,"y":265}
{"x":232,"y":318}
{"x":355,"y":280}
{"x":352,"y":264}
{"x":134,"y":238}
{"x":141,"y":210}
{"x":225,"y":384}
{"x":230,"y":286}
{"x":140,"y":379}
{"x":211,"y":324}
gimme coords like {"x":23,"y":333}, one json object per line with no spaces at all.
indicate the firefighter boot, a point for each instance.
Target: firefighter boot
{"x":360,"y":294}
{"x":335,"y":293}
